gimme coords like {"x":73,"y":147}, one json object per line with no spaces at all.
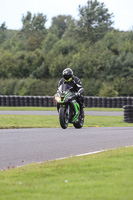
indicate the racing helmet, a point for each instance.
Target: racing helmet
{"x":67,"y":74}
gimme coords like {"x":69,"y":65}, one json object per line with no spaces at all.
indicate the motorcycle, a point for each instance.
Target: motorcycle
{"x":68,"y":107}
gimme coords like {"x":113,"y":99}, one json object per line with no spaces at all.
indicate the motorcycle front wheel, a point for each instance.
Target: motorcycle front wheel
{"x":63,"y":117}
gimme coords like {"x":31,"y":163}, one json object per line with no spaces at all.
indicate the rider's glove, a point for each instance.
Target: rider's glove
{"x":77,"y":94}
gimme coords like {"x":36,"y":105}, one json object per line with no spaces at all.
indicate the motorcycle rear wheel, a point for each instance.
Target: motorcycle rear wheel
{"x":80,"y":122}
{"x":63,"y":118}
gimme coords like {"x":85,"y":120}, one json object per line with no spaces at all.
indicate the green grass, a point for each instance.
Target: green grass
{"x":28,"y":121}
{"x":28,"y":108}
{"x":43,"y":121}
{"x":104,"y":109}
{"x":106,"y":121}
{"x":54,"y":109}
{"x":103,"y":176}
{"x":36,"y":121}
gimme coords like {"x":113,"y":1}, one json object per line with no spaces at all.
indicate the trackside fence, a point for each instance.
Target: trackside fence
{"x":49,"y":101}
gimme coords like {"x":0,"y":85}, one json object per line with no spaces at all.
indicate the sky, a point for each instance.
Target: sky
{"x":11,"y":11}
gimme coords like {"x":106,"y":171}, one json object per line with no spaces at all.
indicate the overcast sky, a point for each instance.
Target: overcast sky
{"x":11,"y":11}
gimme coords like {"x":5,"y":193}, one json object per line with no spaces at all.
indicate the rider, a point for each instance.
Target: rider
{"x":75,"y":82}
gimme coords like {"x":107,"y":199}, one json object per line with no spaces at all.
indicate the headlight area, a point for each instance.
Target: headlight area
{"x":57,"y":99}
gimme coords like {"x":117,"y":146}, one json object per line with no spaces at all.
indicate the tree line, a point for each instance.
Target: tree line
{"x":32,"y":59}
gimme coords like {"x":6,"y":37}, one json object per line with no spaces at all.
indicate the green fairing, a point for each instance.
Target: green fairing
{"x":65,"y":97}
{"x":77,"y":107}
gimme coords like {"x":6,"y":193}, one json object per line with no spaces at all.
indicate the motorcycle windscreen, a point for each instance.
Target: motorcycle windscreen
{"x":64,"y":87}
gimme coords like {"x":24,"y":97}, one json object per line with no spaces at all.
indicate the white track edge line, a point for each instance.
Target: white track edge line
{"x":63,"y":158}
{"x":90,"y":153}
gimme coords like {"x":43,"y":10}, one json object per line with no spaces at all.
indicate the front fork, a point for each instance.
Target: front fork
{"x":67,"y":110}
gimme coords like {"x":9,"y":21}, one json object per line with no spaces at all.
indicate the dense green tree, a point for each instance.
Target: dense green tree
{"x":124,"y":86}
{"x":3,"y":29}
{"x":28,"y":62}
{"x":95,"y":20}
{"x":79,"y":61}
{"x":33,"y":31}
{"x":91,"y":86}
{"x":32,"y":59}
{"x":41,"y":70}
{"x":64,"y":47}
{"x":49,"y":42}
{"x":8,"y":65}
{"x":57,"y":65}
{"x":60,"y":24}
{"x":120,"y":66}
{"x":107,"y":90}
{"x":113,"y":42}
{"x":7,"y":86}
{"x":36,"y":87}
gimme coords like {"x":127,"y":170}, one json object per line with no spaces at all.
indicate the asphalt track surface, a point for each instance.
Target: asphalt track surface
{"x":23,"y":146}
{"x":104,"y":113}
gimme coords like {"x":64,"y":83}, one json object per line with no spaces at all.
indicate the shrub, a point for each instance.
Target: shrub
{"x":107,"y":90}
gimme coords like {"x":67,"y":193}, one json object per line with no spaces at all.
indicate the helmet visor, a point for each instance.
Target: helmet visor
{"x":67,"y":77}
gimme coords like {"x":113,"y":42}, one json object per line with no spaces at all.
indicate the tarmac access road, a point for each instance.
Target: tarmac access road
{"x":23,"y":146}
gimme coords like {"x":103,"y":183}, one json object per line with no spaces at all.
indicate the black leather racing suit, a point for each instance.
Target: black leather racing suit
{"x":77,"y":87}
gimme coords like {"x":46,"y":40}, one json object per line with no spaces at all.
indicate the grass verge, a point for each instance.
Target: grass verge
{"x":55,"y":109}
{"x":43,"y":121}
{"x":103,"y":176}
{"x":28,"y":108}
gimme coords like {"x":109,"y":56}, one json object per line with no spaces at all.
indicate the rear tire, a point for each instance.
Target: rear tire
{"x":80,"y":123}
{"x":63,"y":118}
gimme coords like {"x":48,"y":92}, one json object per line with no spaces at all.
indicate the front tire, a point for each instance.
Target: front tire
{"x":63,"y":118}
